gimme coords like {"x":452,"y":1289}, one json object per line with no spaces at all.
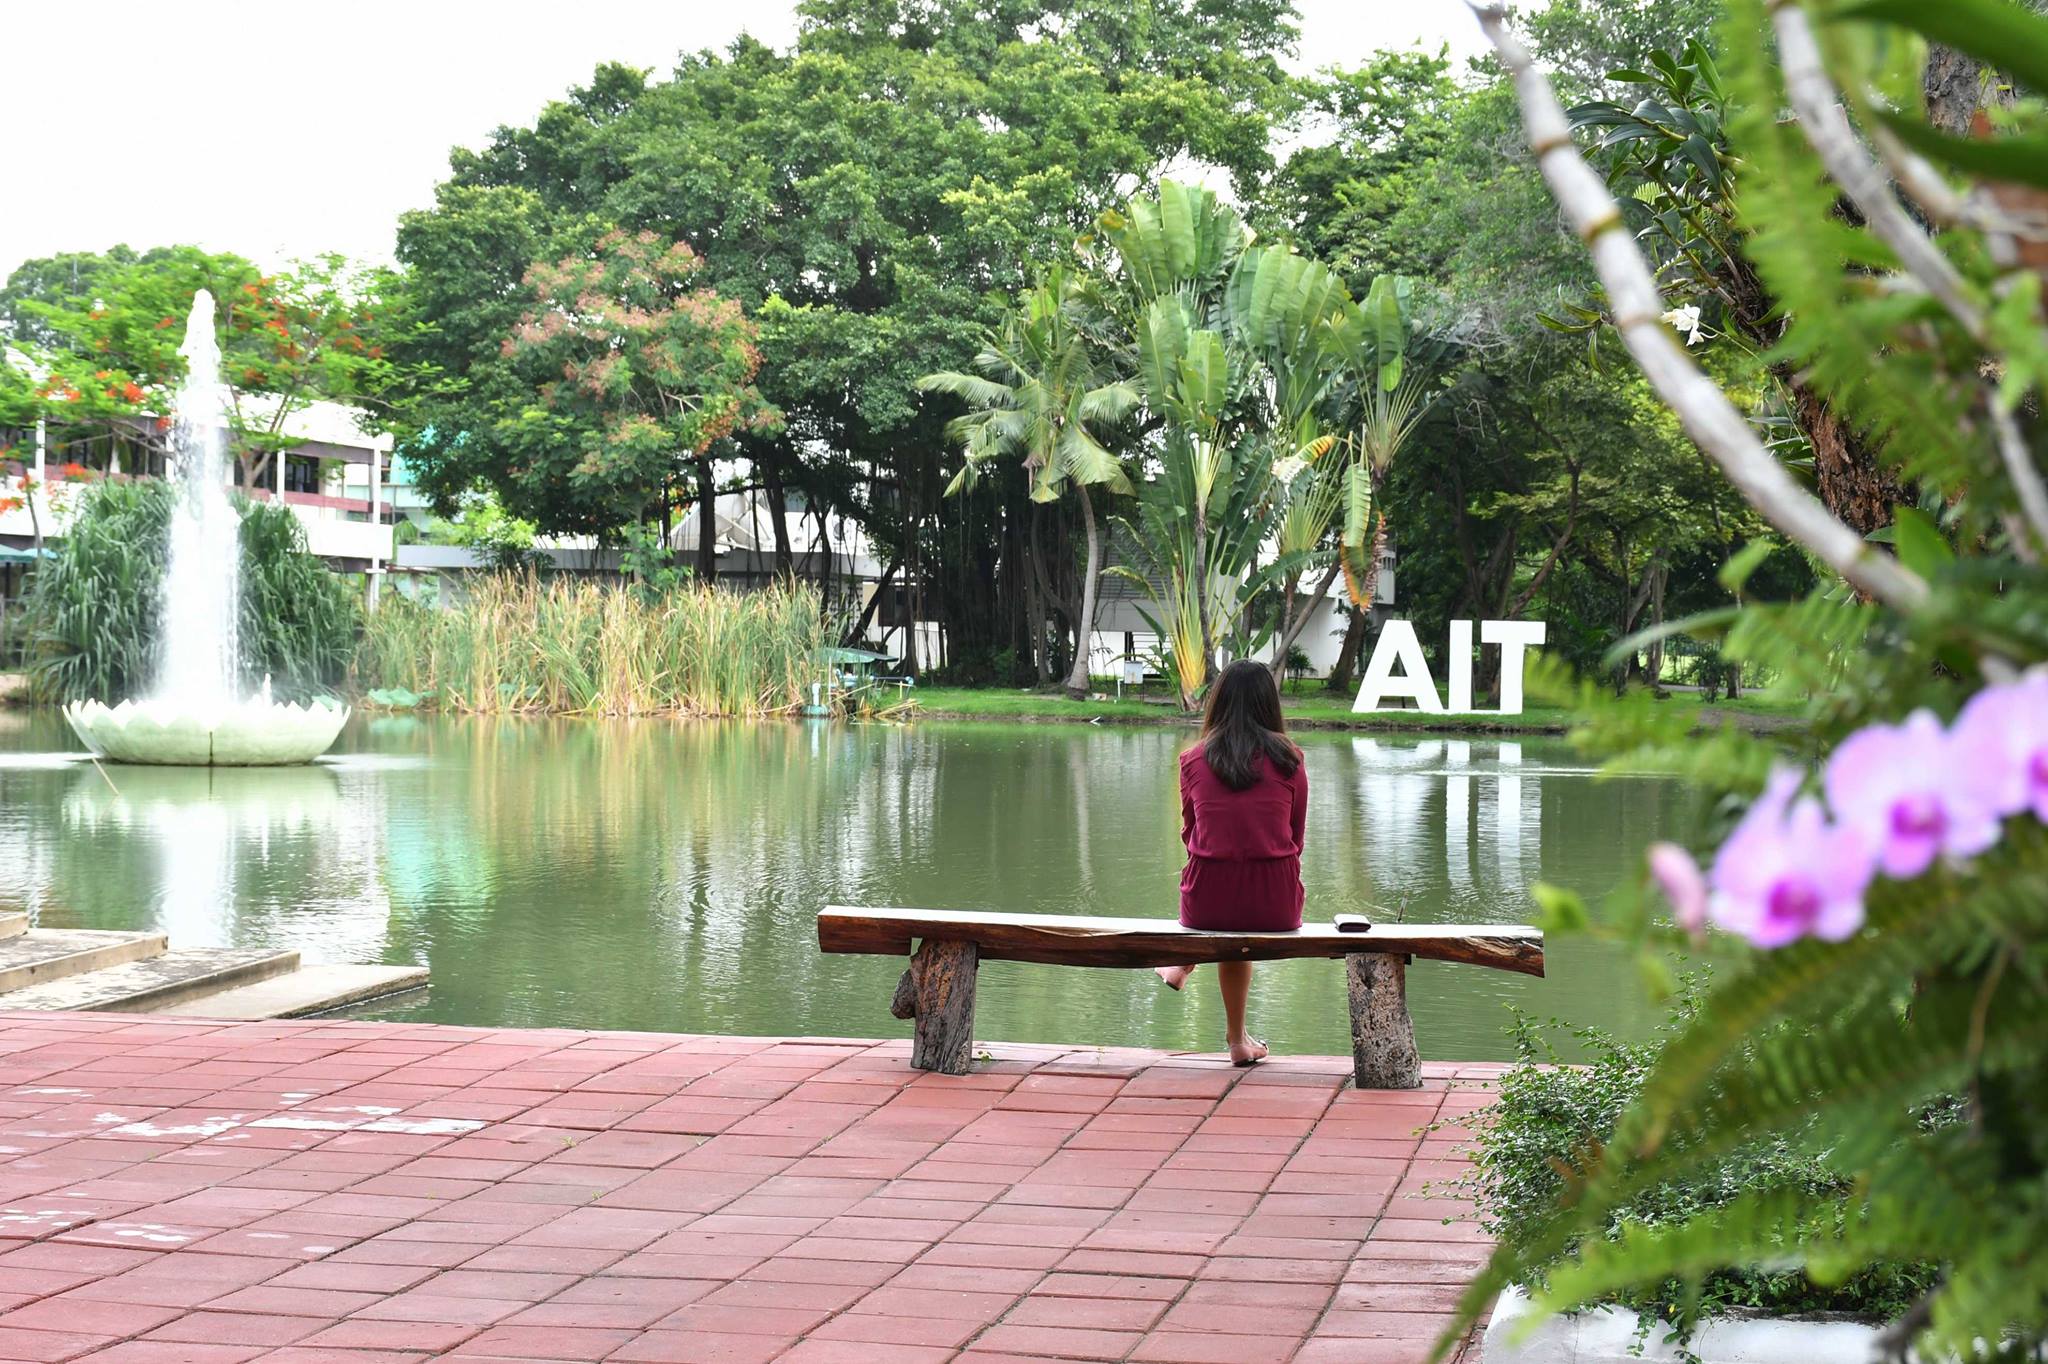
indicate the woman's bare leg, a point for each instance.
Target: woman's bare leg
{"x":1174,"y":976}
{"x":1234,"y":978}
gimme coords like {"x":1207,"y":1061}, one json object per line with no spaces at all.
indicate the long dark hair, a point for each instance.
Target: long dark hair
{"x":1242,"y":721}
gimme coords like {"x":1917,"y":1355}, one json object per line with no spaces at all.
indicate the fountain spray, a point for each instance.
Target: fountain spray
{"x":199,"y":713}
{"x":202,"y":583}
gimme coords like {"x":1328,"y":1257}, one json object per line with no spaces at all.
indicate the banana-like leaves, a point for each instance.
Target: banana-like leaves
{"x":1184,"y":236}
{"x":1357,"y":506}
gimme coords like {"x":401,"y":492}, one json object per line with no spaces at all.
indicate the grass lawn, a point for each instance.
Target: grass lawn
{"x":1307,"y":705}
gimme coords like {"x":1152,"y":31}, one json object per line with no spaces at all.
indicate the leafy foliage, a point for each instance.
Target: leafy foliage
{"x":635,"y":370}
{"x":1549,"y":1115}
{"x":104,"y":331}
{"x":872,"y":195}
{"x":1250,"y":395}
{"x":95,"y":610}
{"x":1911,"y":1058}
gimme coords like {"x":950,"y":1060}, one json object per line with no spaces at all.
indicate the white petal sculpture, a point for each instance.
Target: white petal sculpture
{"x":252,"y":733}
{"x":192,"y":719}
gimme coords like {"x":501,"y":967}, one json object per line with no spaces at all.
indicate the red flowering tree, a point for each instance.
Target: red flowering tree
{"x":313,"y":332}
{"x":107,"y":355}
{"x":636,"y":376}
{"x":24,"y":491}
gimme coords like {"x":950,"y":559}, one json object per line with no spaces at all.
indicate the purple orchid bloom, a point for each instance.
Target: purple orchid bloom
{"x":1912,"y":793}
{"x":1787,"y":872}
{"x":1683,"y":884}
{"x":2001,"y":741}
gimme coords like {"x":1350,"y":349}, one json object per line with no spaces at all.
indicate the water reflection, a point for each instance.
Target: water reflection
{"x":665,"y":875}
{"x":252,"y":856}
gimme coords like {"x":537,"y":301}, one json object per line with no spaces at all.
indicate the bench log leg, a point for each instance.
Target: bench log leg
{"x":942,"y":986}
{"x":1383,"y":1054}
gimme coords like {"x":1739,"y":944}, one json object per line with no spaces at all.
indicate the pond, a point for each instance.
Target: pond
{"x":664,"y":875}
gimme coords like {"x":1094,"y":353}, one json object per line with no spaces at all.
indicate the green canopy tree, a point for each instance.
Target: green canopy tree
{"x":872,"y":196}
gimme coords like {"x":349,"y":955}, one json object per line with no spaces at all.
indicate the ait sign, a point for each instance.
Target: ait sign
{"x":1397,"y":646}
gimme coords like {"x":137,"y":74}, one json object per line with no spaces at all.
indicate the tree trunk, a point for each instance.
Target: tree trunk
{"x":1347,"y":656}
{"x":1383,"y":1054}
{"x":942,"y":998}
{"x":1655,"y":666}
{"x":1077,"y":676}
{"x":1956,"y":87}
{"x":860,"y":625}
{"x":913,"y":596}
{"x":828,"y":576}
{"x":778,"y":510}
{"x":1201,"y":590}
{"x":707,"y":524}
{"x":1854,"y":485}
{"x":1292,"y":625}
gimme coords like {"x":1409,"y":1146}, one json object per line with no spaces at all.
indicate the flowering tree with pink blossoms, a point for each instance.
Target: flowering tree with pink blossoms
{"x":638,"y":372}
{"x":1875,"y":891}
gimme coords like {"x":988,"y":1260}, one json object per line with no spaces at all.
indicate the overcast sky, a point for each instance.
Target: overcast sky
{"x":285,"y":130}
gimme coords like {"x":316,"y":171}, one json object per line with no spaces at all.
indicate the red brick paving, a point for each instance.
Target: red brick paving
{"x":367,"y":1193}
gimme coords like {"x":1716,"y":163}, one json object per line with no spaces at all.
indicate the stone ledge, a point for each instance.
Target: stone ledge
{"x":1609,"y":1336}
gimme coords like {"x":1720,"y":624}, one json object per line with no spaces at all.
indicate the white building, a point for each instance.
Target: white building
{"x":325,"y":440}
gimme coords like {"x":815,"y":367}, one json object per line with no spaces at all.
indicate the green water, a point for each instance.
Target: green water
{"x":664,"y":875}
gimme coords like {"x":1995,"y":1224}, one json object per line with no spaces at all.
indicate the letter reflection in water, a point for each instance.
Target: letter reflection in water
{"x":1508,"y":819}
{"x":1457,"y":819}
{"x":1490,"y":852}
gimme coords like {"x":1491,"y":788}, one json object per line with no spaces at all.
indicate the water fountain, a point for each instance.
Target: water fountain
{"x":194,"y":717}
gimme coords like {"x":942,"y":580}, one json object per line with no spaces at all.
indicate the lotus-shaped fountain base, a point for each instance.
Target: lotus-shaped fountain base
{"x":252,"y":733}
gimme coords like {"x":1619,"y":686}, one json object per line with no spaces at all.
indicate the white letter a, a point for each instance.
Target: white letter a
{"x":1397,"y":644}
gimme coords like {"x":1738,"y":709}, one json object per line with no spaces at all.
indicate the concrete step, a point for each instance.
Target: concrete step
{"x":48,"y":954}
{"x":157,"y":982}
{"x":314,"y":988}
{"x":13,"y":925}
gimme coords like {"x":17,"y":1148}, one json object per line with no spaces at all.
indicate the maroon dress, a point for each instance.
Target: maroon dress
{"x":1244,"y":848}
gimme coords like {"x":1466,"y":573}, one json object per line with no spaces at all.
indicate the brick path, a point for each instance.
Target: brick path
{"x":364,"y":1193}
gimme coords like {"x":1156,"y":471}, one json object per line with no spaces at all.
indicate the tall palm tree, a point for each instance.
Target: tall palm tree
{"x":1037,"y":390}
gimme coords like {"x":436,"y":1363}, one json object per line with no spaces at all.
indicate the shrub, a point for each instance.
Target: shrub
{"x":94,"y":611}
{"x":1550,"y":1114}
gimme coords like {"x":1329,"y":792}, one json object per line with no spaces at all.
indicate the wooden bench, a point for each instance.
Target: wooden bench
{"x":938,"y":988}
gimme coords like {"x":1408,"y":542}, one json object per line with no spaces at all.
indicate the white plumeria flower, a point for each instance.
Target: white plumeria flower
{"x":1687,"y":320}
{"x":1286,"y":469}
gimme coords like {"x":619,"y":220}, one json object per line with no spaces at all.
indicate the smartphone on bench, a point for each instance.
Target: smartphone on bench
{"x":1351,"y":923}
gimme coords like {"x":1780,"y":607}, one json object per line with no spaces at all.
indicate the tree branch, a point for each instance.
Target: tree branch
{"x":1700,"y":405}
{"x":2019,"y":466}
{"x":1564,"y":537}
{"x":1826,"y":128}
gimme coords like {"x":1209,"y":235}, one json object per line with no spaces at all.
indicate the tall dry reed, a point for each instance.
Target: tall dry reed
{"x":518,"y":643}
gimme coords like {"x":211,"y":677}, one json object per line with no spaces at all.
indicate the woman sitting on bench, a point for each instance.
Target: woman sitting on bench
{"x":1243,"y":807}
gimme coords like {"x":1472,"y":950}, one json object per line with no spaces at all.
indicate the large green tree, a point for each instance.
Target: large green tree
{"x":871,"y":195}
{"x":1540,"y":482}
{"x":1040,"y":392}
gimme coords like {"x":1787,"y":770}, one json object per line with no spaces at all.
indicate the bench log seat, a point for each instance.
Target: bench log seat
{"x":937,"y":990}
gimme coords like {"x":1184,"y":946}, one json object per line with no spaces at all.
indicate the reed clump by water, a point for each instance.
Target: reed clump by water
{"x":518,"y":643}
